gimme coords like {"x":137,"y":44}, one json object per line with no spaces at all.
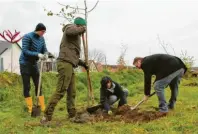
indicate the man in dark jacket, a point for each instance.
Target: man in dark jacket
{"x":110,"y":92}
{"x":68,"y":59}
{"x":33,"y":48}
{"x":168,"y":70}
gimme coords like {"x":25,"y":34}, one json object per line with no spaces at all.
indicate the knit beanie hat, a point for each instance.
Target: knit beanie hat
{"x":40,"y":27}
{"x":80,"y":21}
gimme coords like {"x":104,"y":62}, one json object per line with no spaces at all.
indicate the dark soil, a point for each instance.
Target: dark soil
{"x":123,"y":114}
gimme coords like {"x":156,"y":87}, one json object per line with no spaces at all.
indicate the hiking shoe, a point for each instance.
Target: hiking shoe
{"x":170,"y":106}
{"x":44,"y":120}
{"x":71,"y":112}
{"x":71,"y":115}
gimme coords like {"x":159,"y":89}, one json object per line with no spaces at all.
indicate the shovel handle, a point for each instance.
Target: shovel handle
{"x":152,"y":94}
{"x":141,"y":102}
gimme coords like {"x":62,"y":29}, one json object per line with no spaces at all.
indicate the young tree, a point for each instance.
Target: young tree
{"x":68,"y":13}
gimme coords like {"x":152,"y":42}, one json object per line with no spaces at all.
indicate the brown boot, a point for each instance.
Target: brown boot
{"x":71,"y":112}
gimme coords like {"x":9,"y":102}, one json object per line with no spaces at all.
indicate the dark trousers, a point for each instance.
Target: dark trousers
{"x":27,"y":72}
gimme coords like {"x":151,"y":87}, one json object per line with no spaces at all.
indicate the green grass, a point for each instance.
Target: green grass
{"x":13,"y":118}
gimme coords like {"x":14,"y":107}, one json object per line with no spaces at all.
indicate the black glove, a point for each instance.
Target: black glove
{"x":83,"y":64}
{"x":86,"y":66}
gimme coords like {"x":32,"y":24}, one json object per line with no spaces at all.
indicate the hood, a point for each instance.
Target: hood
{"x":64,"y":27}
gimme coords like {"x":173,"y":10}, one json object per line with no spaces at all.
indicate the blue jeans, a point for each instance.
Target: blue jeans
{"x":173,"y":81}
{"x":113,"y":98}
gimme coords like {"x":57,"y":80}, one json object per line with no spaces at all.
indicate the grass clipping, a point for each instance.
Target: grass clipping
{"x":122,"y":114}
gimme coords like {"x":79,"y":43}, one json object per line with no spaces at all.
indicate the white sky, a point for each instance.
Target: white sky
{"x":114,"y":22}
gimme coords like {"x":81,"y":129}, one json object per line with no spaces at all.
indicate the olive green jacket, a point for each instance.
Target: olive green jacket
{"x":70,"y":44}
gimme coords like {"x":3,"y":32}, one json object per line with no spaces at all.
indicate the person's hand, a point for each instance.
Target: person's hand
{"x":42,"y":56}
{"x":145,"y":98}
{"x":86,"y":67}
{"x":85,"y":28}
{"x":110,"y":112}
{"x":50,"y":55}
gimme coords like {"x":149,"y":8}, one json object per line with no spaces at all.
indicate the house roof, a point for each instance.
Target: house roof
{"x":4,"y":45}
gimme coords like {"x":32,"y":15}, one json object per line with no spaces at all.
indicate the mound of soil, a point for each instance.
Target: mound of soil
{"x":124,"y":114}
{"x":193,"y":84}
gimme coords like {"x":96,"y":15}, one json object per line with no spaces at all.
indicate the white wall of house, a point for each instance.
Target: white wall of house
{"x":11,"y":55}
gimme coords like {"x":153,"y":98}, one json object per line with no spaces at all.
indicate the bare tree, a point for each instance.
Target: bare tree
{"x":121,"y":61}
{"x":97,"y":56}
{"x":188,"y":60}
{"x":165,"y":45}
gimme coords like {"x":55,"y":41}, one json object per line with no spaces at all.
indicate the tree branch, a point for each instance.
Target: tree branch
{"x":162,"y":44}
{"x":93,"y":7}
{"x":70,"y":6}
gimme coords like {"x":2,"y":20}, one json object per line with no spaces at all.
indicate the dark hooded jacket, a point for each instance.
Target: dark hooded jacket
{"x":70,"y":44}
{"x":105,"y":94}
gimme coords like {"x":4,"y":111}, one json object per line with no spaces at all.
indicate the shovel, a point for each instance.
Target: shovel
{"x":36,"y":110}
{"x":133,"y":108}
{"x":94,"y":108}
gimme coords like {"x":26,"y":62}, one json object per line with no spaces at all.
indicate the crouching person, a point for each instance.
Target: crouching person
{"x":111,"y":92}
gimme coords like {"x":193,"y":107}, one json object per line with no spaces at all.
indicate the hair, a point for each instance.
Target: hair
{"x":104,"y":81}
{"x":136,"y":59}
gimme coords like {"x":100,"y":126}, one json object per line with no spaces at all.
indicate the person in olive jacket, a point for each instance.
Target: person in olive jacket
{"x":68,"y":60}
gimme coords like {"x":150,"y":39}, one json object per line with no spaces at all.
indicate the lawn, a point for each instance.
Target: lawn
{"x":183,"y":119}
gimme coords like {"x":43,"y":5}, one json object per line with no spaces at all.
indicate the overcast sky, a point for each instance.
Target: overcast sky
{"x":115,"y":22}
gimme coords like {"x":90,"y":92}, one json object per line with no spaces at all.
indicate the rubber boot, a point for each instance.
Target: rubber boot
{"x":42,"y":103}
{"x":29,"y":104}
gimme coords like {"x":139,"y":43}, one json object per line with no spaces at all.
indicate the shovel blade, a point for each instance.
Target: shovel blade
{"x":36,"y":111}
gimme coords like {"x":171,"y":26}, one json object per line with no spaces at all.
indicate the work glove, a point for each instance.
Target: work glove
{"x":50,"y":55}
{"x":110,"y":112}
{"x":42,"y":56}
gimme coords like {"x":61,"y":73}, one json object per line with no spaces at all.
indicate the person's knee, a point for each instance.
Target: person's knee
{"x":157,"y":87}
{"x":126,"y":92}
{"x":112,"y":99}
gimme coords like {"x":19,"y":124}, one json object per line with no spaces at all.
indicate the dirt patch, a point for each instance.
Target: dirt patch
{"x":123,"y":114}
{"x":193,"y":84}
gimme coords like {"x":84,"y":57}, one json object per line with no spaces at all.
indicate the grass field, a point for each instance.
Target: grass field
{"x":14,"y":119}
